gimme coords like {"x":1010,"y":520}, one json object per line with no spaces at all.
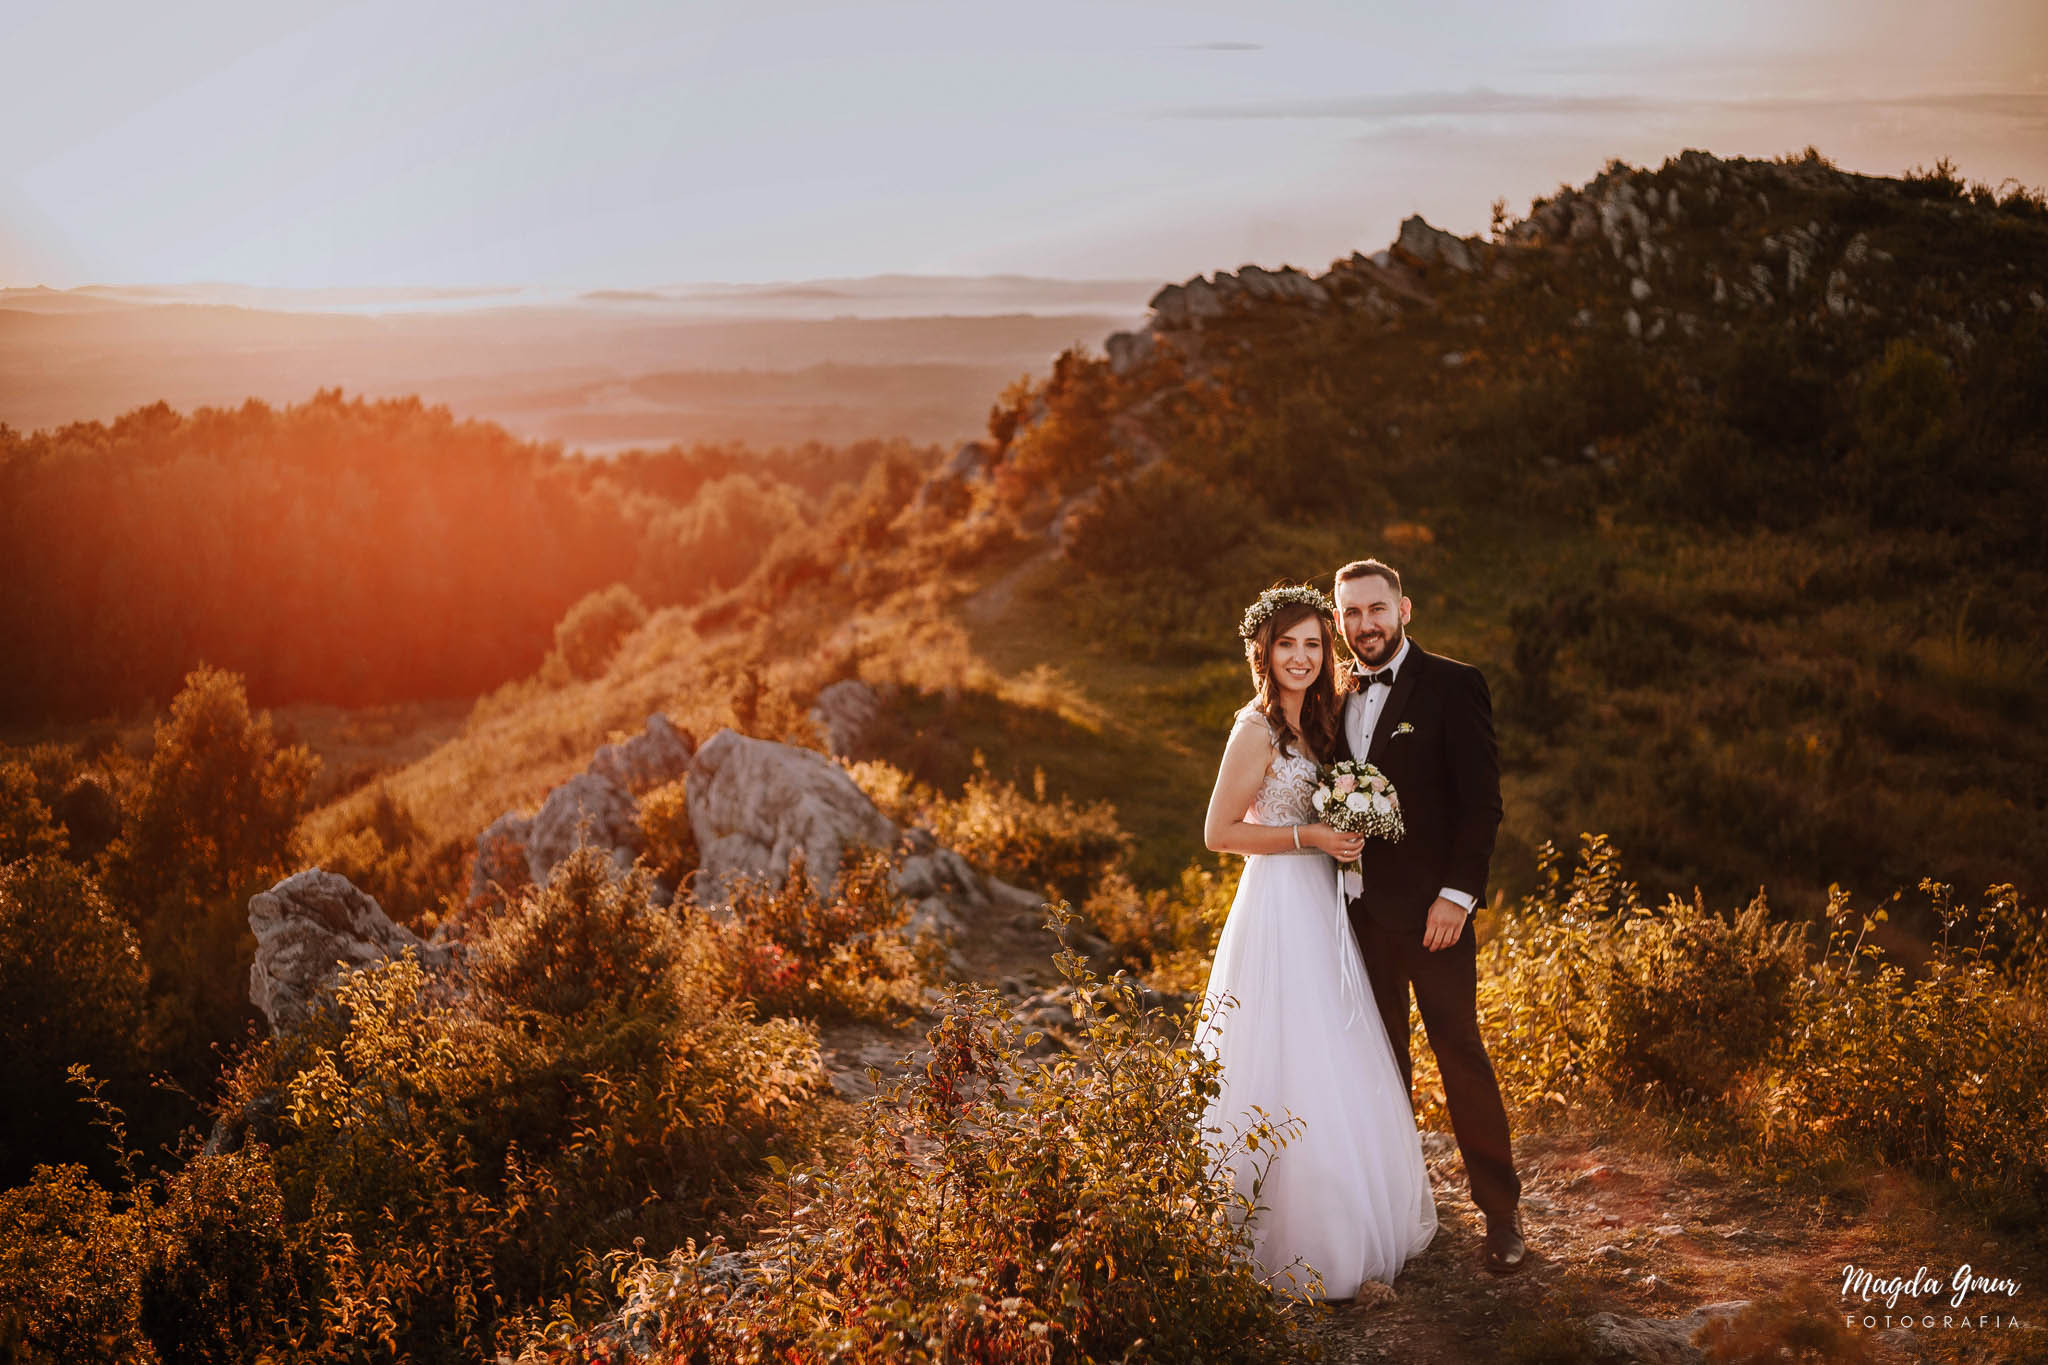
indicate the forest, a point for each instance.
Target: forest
{"x":353,"y":551}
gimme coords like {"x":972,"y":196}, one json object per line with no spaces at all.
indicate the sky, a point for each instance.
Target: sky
{"x":608,"y":144}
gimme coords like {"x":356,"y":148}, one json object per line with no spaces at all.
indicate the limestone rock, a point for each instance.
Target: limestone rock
{"x":558,"y":827}
{"x":306,"y":925}
{"x":1430,"y":245}
{"x":1129,"y":351}
{"x":1169,"y":307}
{"x":660,"y":753}
{"x":843,"y":713}
{"x":501,"y":857}
{"x":753,"y":803}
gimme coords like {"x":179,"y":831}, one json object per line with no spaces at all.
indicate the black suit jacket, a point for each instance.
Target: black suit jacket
{"x":1434,"y":741}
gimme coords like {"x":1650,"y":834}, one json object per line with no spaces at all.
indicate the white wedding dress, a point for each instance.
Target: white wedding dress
{"x":1349,"y":1193}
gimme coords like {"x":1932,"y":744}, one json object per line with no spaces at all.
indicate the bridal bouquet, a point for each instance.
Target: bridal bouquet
{"x":1357,"y":798}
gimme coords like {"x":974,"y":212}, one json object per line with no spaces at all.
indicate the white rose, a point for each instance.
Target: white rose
{"x":1358,"y":801}
{"x":1322,"y":797}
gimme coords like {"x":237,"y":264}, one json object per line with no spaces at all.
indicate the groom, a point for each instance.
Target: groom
{"x":1427,"y":723}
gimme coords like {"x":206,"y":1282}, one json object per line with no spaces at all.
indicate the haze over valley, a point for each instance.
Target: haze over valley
{"x":829,"y":360}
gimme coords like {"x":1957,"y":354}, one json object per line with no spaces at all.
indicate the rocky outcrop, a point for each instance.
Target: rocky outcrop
{"x":659,"y":753}
{"x":500,"y":866}
{"x":587,"y":809}
{"x":597,"y":806}
{"x":843,"y":712}
{"x":1427,"y":246}
{"x":753,"y":803}
{"x":1226,"y":293}
{"x":309,"y":927}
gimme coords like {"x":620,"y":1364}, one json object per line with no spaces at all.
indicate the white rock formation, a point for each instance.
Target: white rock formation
{"x":310,"y":926}
{"x":660,"y":753}
{"x":753,"y":803}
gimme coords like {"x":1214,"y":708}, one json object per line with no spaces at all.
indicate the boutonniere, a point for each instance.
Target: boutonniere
{"x":1404,"y":728}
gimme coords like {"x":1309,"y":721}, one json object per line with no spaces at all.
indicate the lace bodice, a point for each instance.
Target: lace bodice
{"x":1283,"y":798}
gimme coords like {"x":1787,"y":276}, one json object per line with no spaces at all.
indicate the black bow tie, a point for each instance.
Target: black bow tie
{"x":1367,"y":678}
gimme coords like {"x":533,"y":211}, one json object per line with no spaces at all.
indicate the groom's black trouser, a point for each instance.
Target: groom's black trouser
{"x":1446,"y":985}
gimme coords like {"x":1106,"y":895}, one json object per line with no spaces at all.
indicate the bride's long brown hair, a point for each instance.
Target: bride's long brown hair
{"x":1318,"y":705}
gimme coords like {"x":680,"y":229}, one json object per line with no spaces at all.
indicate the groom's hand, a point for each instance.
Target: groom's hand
{"x":1446,"y":923}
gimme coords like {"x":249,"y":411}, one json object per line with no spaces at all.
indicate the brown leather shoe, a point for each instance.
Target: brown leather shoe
{"x":1506,"y":1253}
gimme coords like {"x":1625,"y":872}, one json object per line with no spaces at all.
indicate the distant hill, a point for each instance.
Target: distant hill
{"x":1729,"y":473}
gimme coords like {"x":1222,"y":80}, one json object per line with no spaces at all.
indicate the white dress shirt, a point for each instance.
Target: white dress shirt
{"x":1362,"y":716}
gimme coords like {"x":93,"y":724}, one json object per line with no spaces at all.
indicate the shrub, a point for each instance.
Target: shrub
{"x":389,"y":856}
{"x":848,"y":952}
{"x":590,"y":632}
{"x":72,"y":989}
{"x":1057,"y":846}
{"x":1168,"y":935}
{"x":212,"y":820}
{"x":27,"y":826}
{"x":68,"y":1271}
{"x":1795,"y":1063}
{"x":994,"y":1210}
{"x":671,"y":841}
{"x":1693,"y":998}
{"x":1906,"y":406}
{"x":591,"y":941}
{"x":1030,"y":840}
{"x":222,"y":1268}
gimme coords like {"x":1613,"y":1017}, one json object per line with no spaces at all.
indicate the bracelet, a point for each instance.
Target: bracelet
{"x":1297,"y":836}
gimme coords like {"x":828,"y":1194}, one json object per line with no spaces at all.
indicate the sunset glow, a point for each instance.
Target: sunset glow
{"x":632,"y":144}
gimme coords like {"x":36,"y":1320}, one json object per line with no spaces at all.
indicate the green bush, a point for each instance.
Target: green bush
{"x":671,"y":840}
{"x":388,"y":855}
{"x":1061,"y":847}
{"x":222,"y":1269}
{"x":1906,"y":407}
{"x":992,"y":1210}
{"x":27,"y":826}
{"x":591,"y":942}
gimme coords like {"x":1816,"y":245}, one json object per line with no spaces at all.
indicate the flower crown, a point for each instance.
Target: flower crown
{"x":1272,"y":599}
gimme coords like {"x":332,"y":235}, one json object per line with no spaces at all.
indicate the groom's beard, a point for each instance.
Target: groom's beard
{"x":1378,"y":658}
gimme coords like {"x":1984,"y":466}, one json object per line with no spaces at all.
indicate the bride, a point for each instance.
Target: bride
{"x":1289,"y":1014}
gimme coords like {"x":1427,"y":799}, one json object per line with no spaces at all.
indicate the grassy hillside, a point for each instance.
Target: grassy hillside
{"x":1762,"y":598}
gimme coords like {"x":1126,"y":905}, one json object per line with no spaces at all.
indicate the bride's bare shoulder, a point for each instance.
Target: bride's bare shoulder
{"x":1250,"y":724}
